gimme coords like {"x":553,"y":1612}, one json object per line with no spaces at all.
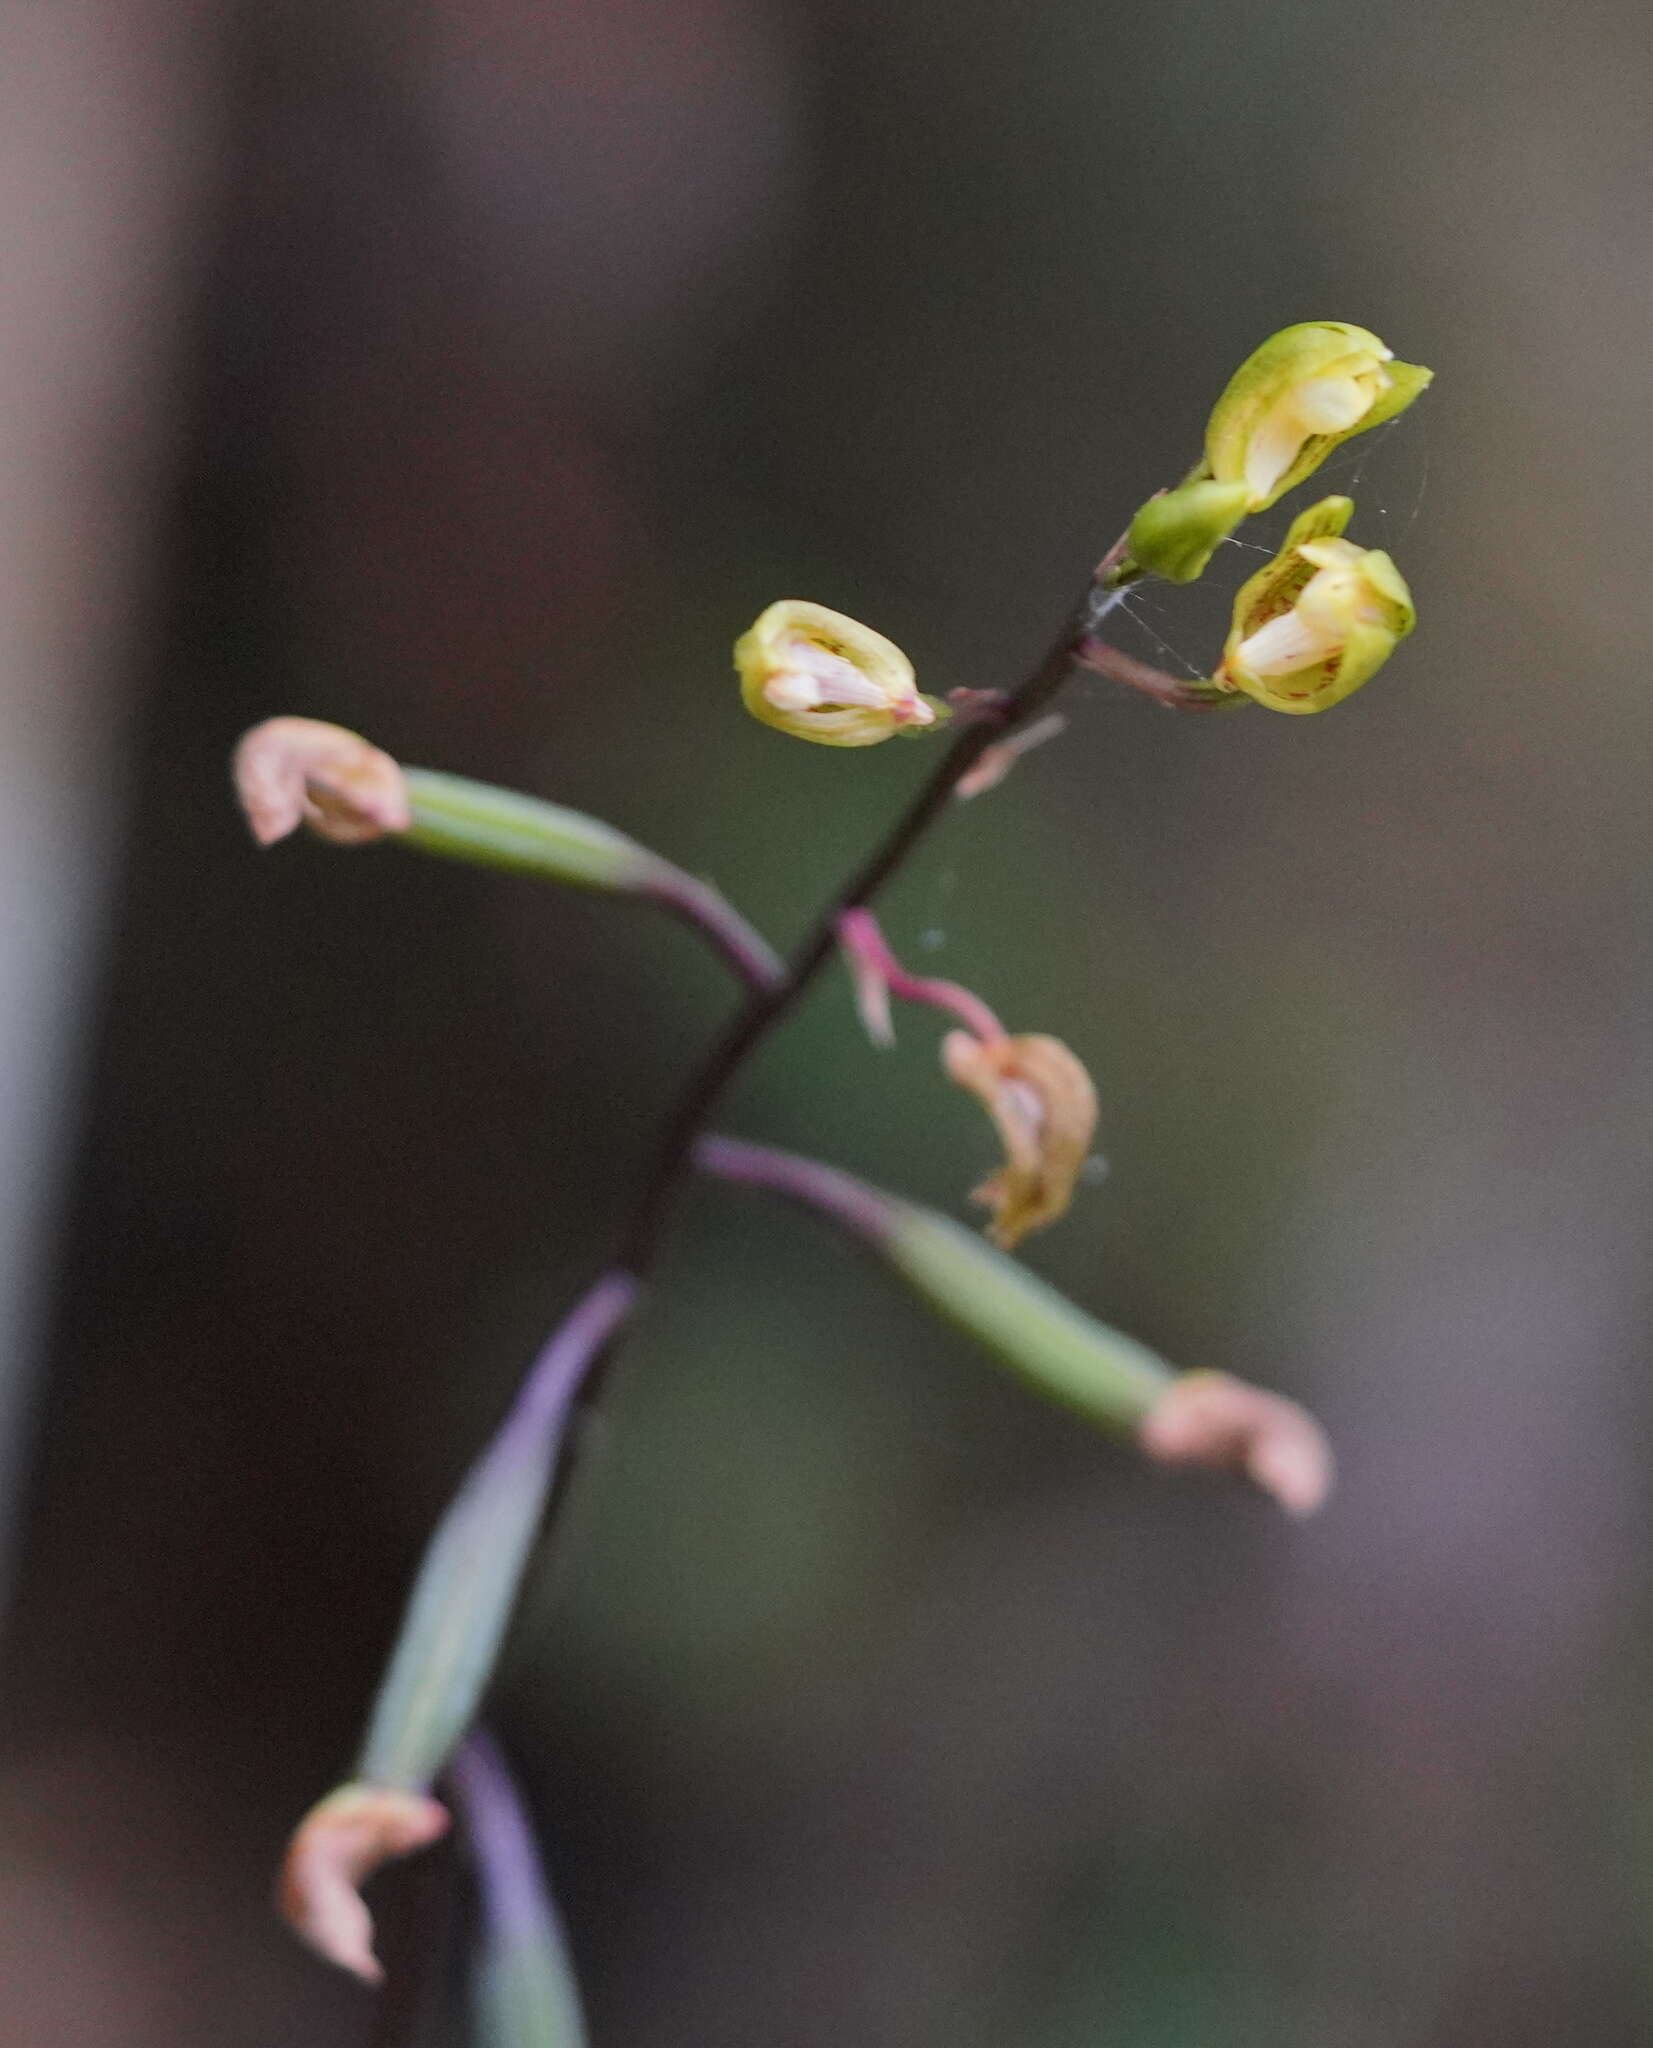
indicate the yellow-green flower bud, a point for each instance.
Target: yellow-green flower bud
{"x":824,"y":677}
{"x":1177,"y":533}
{"x":1319,"y":620}
{"x":1294,"y":399}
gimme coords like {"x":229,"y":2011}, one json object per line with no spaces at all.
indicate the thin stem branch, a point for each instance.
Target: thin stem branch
{"x":880,"y":975}
{"x":577,"y":1370}
{"x":710,"y":913}
{"x":1174,"y":692}
{"x":456,"y":818}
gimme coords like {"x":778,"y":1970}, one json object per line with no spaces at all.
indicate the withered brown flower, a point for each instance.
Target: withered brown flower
{"x":1211,"y":1418}
{"x":335,"y":1849}
{"x":1044,"y":1105}
{"x":293,"y":771}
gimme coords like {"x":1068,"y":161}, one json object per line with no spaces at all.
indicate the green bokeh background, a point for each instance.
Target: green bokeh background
{"x":529,"y":353}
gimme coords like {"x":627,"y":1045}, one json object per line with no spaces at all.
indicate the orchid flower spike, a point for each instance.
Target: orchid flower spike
{"x":1321,"y":619}
{"x":821,"y":676}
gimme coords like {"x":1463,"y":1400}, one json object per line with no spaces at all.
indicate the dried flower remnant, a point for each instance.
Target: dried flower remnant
{"x":1321,"y":619}
{"x":1294,"y":399}
{"x":996,"y":761}
{"x":1044,"y":1105}
{"x":1212,"y":1419}
{"x":293,"y":771}
{"x":824,"y":677}
{"x":335,"y":1849}
{"x":1035,"y":1090}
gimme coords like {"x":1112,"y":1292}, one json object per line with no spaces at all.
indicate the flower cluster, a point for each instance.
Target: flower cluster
{"x":1329,"y":613}
{"x":1308,"y":630}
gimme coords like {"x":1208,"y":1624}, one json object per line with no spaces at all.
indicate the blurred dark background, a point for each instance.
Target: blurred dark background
{"x":471,"y":372}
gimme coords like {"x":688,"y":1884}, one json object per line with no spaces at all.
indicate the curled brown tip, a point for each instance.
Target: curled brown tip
{"x":1210,"y":1418}
{"x":334,"y":1851}
{"x":292,"y":771}
{"x":1044,"y":1106}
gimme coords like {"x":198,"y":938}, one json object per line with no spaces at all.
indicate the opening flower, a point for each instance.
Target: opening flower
{"x":1320,"y":620}
{"x":1044,"y":1105}
{"x":821,"y":676}
{"x":1294,"y":399}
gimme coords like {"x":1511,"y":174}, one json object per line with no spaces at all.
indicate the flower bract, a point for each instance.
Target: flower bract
{"x":1176,"y":534}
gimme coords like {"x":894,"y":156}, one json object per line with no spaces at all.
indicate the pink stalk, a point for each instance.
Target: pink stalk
{"x":879,"y":974}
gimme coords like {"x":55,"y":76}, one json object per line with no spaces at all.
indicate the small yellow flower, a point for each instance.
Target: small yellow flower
{"x":824,"y":677}
{"x":1320,"y":620}
{"x":1294,"y":399}
{"x":1044,"y":1105}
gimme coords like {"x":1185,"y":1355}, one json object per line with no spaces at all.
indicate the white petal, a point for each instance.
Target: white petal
{"x":1272,"y":449}
{"x":790,"y":691}
{"x":1283,"y":646}
{"x":1329,"y":405}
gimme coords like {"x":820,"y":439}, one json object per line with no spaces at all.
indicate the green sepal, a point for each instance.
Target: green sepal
{"x":1275,"y":586}
{"x":1176,"y":533}
{"x":1390,"y":586}
{"x":1406,"y":382}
